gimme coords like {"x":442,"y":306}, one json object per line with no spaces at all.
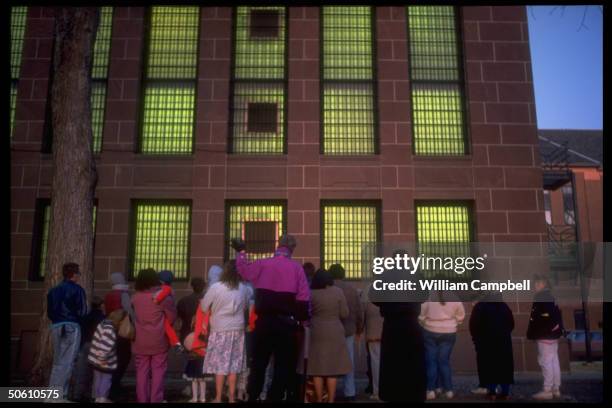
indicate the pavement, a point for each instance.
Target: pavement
{"x":583,"y":384}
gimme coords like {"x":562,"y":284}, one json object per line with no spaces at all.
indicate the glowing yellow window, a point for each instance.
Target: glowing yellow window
{"x":349,"y":233}
{"x":161,"y":237}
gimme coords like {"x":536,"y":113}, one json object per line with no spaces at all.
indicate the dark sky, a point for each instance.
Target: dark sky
{"x":567,"y":66}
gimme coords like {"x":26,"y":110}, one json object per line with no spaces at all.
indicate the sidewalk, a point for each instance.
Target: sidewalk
{"x":582,"y":384}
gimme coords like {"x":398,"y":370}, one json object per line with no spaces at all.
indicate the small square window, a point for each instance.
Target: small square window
{"x":261,"y":117}
{"x":264,"y":24}
{"x":260,"y":236}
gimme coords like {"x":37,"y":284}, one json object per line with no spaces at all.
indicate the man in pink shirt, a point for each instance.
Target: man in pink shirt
{"x":281,"y":301}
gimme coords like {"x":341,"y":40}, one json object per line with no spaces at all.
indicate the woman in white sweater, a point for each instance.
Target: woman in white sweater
{"x":227,"y":301}
{"x":439,"y":320}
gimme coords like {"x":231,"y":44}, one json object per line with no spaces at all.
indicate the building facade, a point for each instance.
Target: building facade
{"x":339,"y":125}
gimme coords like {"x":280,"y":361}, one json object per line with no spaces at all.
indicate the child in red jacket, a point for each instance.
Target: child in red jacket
{"x":165,"y":278}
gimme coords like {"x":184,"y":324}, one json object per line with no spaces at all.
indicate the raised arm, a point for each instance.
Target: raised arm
{"x":249,"y":271}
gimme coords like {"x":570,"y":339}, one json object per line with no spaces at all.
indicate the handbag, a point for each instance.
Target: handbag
{"x":126,"y":328}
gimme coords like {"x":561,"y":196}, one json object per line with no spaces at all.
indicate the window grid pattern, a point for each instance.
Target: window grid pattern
{"x":237,"y":217}
{"x":44,"y":237}
{"x":161,"y":238}
{"x":348,"y":85}
{"x":348,"y":232}
{"x":259,"y":57}
{"x":245,"y":141}
{"x":99,"y":74}
{"x":168,"y":118}
{"x":438,"y":112}
{"x":18,"y":24}
{"x":444,"y":230}
{"x":167,"y":126}
{"x":259,"y":76}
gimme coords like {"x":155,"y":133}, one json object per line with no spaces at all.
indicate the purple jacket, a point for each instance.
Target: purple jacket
{"x":280,"y":284}
{"x":149,"y":322}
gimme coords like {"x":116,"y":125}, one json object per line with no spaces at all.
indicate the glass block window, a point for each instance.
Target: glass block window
{"x":444,"y":230}
{"x":260,"y":34}
{"x":260,"y":224}
{"x":348,"y":119}
{"x":438,"y":106}
{"x":348,"y":81}
{"x":348,"y":229}
{"x":170,"y":81}
{"x":99,"y":74}
{"x":18,"y":24}
{"x":168,"y":118}
{"x":259,"y":80}
{"x":258,"y":118}
{"x":160,"y":237}
{"x":102,"y":44}
{"x":41,"y":237}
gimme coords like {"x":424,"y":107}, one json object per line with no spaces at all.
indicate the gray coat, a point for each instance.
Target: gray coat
{"x":328,"y":354}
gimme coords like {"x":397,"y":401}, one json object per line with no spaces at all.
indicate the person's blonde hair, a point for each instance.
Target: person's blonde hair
{"x":117,"y":316}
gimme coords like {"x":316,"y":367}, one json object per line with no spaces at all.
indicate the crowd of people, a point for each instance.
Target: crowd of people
{"x":276,"y":330}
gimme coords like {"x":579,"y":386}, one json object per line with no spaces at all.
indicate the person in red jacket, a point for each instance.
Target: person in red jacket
{"x":166,"y":278}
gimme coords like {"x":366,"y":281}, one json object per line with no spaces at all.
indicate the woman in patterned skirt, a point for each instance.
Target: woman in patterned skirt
{"x":227,"y":301}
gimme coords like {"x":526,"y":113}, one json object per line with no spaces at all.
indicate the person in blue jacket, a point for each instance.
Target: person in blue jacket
{"x":66,"y":308}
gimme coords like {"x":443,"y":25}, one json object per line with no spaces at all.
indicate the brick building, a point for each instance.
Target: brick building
{"x":573,"y":209}
{"x":339,"y":125}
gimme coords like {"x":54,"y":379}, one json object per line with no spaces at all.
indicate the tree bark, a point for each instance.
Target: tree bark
{"x":74,"y":173}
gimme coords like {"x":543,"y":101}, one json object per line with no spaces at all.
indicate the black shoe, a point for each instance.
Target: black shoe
{"x":349,"y":399}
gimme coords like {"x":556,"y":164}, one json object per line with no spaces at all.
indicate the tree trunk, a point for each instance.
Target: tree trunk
{"x":74,"y":173}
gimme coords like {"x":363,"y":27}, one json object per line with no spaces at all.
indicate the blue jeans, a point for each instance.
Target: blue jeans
{"x":66,"y":339}
{"x":349,"y":379}
{"x":438,"y":348}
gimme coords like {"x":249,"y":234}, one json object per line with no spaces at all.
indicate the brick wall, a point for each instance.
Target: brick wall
{"x":501,"y":175}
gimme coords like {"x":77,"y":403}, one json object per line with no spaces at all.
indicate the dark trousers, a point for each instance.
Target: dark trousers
{"x":124,"y":354}
{"x":273,"y":336}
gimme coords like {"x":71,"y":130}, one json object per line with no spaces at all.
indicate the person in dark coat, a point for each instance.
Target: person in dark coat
{"x":402,"y":354}
{"x":491,"y":325}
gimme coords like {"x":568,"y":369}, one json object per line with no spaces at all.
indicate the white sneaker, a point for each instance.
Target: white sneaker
{"x":556,"y":393}
{"x":374,"y":397}
{"x":431,"y":395}
{"x":543,"y":395}
{"x":449,"y":394}
{"x":480,"y":391}
{"x":102,"y":400}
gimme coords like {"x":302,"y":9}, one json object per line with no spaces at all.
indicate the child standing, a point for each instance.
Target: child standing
{"x":166,"y":278}
{"x":195,"y":343}
{"x":103,"y":354}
